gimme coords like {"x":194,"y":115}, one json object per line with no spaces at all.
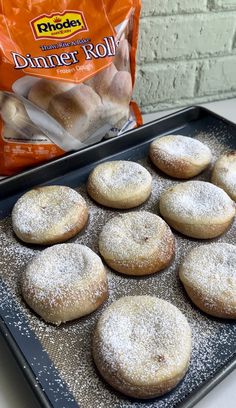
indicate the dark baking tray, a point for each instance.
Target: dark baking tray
{"x":72,"y":170}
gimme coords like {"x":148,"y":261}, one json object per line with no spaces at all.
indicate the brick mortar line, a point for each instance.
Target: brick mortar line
{"x":187,"y":59}
{"x":196,"y":88}
{"x":210,"y":12}
{"x":233,"y":45}
{"x":186,"y":101}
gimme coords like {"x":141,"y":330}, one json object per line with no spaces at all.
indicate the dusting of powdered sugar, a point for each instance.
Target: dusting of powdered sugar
{"x":69,"y":346}
{"x":139,"y":338}
{"x":210,"y":270}
{"x":181,"y":147}
{"x":43,"y":208}
{"x":197,"y":200}
{"x":119,"y":175}
{"x":58,"y":270}
{"x":135,"y":237}
{"x":224,"y":173}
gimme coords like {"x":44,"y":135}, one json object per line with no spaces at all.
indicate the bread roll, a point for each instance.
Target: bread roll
{"x":121,"y":88}
{"x":48,"y":215}
{"x":208,"y":274}
{"x":142,"y":346}
{"x":102,"y":80}
{"x":122,"y":57}
{"x":78,"y":111}
{"x":180,"y":156}
{"x":224,"y":173}
{"x":197,"y":209}
{"x":44,"y":90}
{"x":64,"y":282}
{"x":119,"y":184}
{"x":137,"y":243}
{"x":14,"y":113}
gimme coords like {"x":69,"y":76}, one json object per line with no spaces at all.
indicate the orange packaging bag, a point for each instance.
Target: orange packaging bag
{"x":67,"y":72}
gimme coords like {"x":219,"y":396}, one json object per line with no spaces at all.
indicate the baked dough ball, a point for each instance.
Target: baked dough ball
{"x":142,"y":346}
{"x":64,"y":282}
{"x":197,"y":209}
{"x":48,"y":215}
{"x":120,"y":184}
{"x":137,"y":243}
{"x":224,"y":173}
{"x":180,"y":156}
{"x":209,"y":277}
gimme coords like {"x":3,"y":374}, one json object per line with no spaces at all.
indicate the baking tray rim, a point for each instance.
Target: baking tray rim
{"x":20,"y":177}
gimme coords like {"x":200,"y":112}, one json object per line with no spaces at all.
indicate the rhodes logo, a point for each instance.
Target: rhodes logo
{"x":58,"y":25}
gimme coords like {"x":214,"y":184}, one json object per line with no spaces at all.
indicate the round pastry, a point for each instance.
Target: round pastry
{"x":142,"y":346}
{"x":180,"y":156}
{"x":137,"y":243}
{"x":197,"y":209}
{"x":208,"y":274}
{"x":120,"y":184}
{"x":224,"y":173}
{"x":48,"y":215}
{"x":64,"y":282}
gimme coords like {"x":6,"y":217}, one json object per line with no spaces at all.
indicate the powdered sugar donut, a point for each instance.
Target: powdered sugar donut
{"x":120,"y":184}
{"x":142,"y":346}
{"x":197,"y":209}
{"x":137,"y":243}
{"x":224,"y":173}
{"x":180,"y":156}
{"x":64,"y":282}
{"x":208,"y":274}
{"x":48,"y":215}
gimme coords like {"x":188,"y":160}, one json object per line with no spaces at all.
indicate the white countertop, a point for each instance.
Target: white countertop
{"x":15,"y":392}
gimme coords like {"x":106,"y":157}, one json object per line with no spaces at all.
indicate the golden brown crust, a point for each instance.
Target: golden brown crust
{"x":49,"y":215}
{"x":64,"y":282}
{"x":197,"y":230}
{"x":59,"y":313}
{"x":181,"y":169}
{"x":224,"y":173}
{"x":209,"y":278}
{"x":197,"y":209}
{"x":138,"y":244}
{"x":122,"y":203}
{"x":115,"y":192}
{"x":138,"y":391}
{"x":218,"y":310}
{"x":179,"y":156}
{"x":128,"y":357}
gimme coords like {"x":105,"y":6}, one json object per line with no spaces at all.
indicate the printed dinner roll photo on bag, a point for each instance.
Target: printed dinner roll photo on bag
{"x":67,"y":77}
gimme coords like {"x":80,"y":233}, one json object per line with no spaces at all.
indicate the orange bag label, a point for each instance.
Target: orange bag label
{"x":59,"y":44}
{"x":59,"y":25}
{"x":67,"y":71}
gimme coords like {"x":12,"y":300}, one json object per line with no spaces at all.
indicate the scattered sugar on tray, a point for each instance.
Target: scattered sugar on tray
{"x":216,"y":140}
{"x":11,"y":246}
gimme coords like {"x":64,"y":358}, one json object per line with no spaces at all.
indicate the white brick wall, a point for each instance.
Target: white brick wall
{"x":187,"y":53}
